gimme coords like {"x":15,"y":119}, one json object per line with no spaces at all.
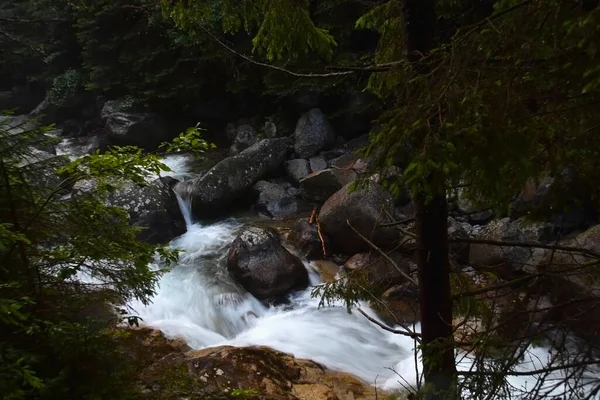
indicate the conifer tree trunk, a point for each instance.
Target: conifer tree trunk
{"x":431,"y":216}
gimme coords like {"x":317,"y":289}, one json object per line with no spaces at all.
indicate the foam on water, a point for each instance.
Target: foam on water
{"x":198,"y":302}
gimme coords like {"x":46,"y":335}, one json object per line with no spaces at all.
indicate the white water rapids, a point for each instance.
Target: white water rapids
{"x":198,"y":302}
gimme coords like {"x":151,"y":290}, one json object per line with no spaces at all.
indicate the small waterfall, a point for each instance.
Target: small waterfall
{"x":186,"y":208}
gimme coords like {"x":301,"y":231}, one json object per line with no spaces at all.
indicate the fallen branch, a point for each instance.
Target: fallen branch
{"x":377,"y":249}
{"x":320,"y":235}
{"x":410,"y":334}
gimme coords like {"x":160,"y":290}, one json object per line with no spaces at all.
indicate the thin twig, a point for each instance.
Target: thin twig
{"x":377,"y":249}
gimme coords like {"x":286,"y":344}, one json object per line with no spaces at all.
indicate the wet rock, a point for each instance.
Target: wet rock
{"x":230,"y":179}
{"x":297,"y":169}
{"x":313,"y":133}
{"x":378,"y":273}
{"x":245,"y":136}
{"x":145,"y":130}
{"x":305,"y":237}
{"x":276,"y":201}
{"x":319,"y":186}
{"x":505,"y":262}
{"x":122,"y":105}
{"x":399,"y":304}
{"x":260,"y":263}
{"x":328,"y":270}
{"x":153,"y":207}
{"x":366,"y":208}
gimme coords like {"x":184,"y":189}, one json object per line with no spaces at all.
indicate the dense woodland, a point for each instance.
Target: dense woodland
{"x":469,"y":110}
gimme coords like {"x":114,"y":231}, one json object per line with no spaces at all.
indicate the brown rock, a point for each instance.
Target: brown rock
{"x":366,"y":208}
{"x":378,"y":272}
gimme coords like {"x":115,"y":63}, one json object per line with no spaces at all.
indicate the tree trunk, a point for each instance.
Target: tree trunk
{"x":431,"y":215}
{"x":435,"y":298}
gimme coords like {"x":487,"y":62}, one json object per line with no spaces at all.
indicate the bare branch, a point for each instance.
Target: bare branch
{"x":412,"y":335}
{"x":377,"y":249}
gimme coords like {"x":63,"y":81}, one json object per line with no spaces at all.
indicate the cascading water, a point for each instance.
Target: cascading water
{"x":200,"y":303}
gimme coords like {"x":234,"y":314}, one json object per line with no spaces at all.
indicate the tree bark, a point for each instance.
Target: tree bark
{"x":431,"y":219}
{"x":435,"y":296}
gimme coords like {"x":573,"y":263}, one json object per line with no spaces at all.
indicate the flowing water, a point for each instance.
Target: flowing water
{"x":198,"y":302}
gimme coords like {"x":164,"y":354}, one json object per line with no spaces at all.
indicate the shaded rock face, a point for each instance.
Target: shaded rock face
{"x":319,"y":186}
{"x":230,"y":179}
{"x":245,"y":136}
{"x":378,"y":272}
{"x":305,"y":238}
{"x":506,"y":262}
{"x":366,"y":208}
{"x":145,"y":130}
{"x":260,"y":263}
{"x":313,"y":133}
{"x":153,"y":207}
{"x":277,"y":201}
{"x":297,"y":169}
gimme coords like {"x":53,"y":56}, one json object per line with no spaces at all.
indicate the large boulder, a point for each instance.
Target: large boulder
{"x":153,"y":207}
{"x":260,"y":263}
{"x":319,"y":186}
{"x":313,"y":133}
{"x":305,"y":238}
{"x":367,"y":208}
{"x":167,"y":369}
{"x":379,"y":274}
{"x":508,"y":261}
{"x":232,"y":178}
{"x":245,"y":136}
{"x":145,"y":130}
{"x":277,"y":201}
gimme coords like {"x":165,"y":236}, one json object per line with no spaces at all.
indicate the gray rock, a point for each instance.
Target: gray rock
{"x":260,"y":263}
{"x":245,"y":137}
{"x":297,"y":169}
{"x":379,"y":273}
{"x":319,"y":186}
{"x":459,"y":230}
{"x":145,"y":130}
{"x":230,"y":179}
{"x":366,"y":208}
{"x":305,"y":237}
{"x":317,"y":163}
{"x":153,"y":207}
{"x":123,"y":105}
{"x":313,"y":133}
{"x":276,"y":201}
{"x":506,"y":262}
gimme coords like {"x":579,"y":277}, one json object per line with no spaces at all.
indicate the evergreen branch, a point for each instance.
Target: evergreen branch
{"x":377,"y":249}
{"x":271,"y":66}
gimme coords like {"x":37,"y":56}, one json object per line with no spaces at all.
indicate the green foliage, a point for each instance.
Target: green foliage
{"x":64,"y":87}
{"x":190,"y":140}
{"x":63,"y":260}
{"x":244,"y":393}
